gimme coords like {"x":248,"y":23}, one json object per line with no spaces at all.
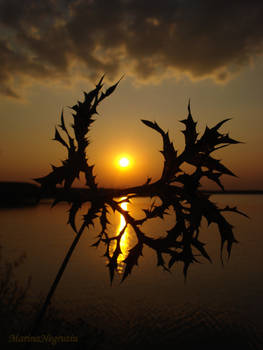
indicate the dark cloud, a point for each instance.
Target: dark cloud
{"x":46,"y":39}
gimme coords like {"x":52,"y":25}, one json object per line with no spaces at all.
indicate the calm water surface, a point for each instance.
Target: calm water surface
{"x":214,"y":296}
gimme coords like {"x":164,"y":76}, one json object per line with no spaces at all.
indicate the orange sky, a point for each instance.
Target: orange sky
{"x":39,"y":77}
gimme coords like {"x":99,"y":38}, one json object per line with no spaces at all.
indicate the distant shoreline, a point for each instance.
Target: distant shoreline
{"x":34,"y":188}
{"x":25,"y":193}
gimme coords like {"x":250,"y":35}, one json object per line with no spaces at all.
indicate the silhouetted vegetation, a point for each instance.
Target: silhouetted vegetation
{"x":18,"y":194}
{"x":178,"y":191}
{"x":16,"y":313}
{"x":12,"y":297}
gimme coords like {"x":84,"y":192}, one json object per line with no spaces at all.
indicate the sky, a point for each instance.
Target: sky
{"x":168,"y":51}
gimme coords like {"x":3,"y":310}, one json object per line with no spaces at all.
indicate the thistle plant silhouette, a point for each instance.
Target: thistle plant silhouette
{"x":178,"y":191}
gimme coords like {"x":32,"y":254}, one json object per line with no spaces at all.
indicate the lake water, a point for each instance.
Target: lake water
{"x":151,"y":303}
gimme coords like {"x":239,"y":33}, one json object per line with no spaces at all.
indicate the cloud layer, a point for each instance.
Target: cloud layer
{"x":51,"y":39}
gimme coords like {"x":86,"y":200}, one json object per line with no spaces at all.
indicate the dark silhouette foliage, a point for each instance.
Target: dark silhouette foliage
{"x":177,"y":190}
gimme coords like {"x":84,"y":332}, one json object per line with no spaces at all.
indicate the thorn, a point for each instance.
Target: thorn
{"x":189,"y":106}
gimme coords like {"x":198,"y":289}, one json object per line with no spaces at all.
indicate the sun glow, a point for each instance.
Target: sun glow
{"x":124,"y":162}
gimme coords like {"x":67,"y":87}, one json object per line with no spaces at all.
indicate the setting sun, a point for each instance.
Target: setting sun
{"x":124,"y":162}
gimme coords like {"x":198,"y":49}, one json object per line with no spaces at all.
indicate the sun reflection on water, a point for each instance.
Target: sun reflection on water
{"x":124,"y":244}
{"x":125,"y":239}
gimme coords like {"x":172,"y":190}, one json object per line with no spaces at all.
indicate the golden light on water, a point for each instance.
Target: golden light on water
{"x":122,"y":219}
{"x":125,"y":239}
{"x":124,"y":243}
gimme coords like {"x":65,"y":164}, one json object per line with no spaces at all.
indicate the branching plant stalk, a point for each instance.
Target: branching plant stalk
{"x":178,"y":192}
{"x":56,"y":281}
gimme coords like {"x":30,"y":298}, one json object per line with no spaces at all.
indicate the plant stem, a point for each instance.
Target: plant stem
{"x":56,"y":281}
